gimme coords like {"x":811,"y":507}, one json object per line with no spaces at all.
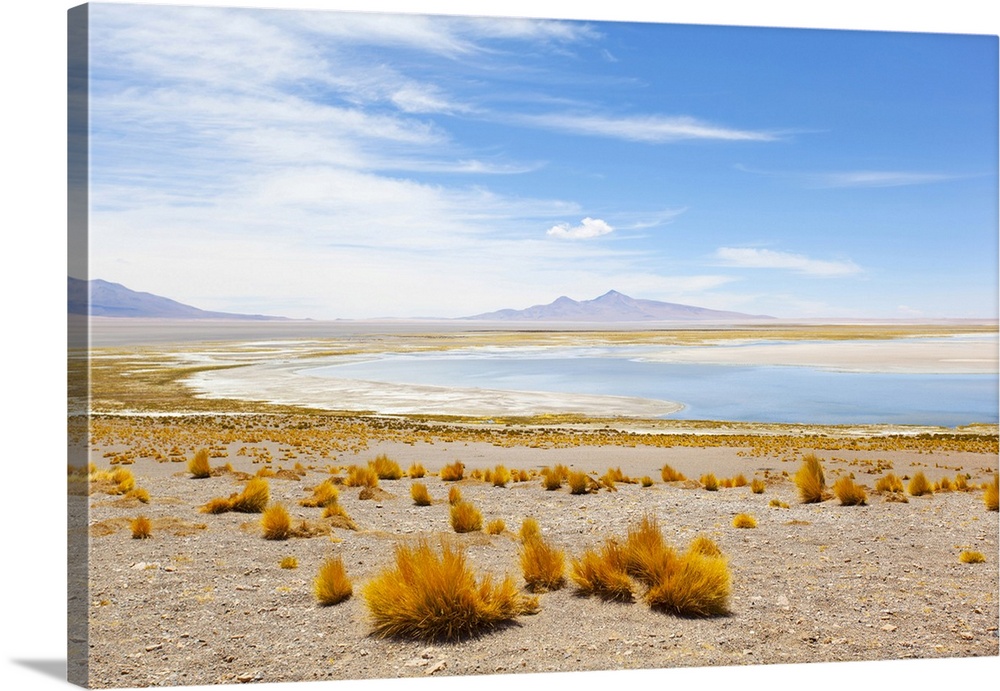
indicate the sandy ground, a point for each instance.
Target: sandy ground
{"x":821,"y":582}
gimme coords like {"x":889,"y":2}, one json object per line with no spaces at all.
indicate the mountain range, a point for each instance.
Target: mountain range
{"x":115,"y":300}
{"x":614,"y":307}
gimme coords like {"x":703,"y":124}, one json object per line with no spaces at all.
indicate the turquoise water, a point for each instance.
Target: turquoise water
{"x":708,"y":392}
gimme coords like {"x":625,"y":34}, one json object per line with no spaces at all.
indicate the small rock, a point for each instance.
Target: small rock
{"x":155,"y":646}
{"x":416,"y":662}
{"x":437,"y":667}
{"x":890,"y":627}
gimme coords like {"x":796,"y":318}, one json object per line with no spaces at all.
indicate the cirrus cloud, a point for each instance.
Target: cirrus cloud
{"x":588,"y":228}
{"x":751,"y":258}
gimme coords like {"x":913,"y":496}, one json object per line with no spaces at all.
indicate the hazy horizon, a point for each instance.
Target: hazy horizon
{"x":360,"y":166}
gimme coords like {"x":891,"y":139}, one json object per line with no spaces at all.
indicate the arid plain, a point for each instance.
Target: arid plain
{"x":206,"y":599}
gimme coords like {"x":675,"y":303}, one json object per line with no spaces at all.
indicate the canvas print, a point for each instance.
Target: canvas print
{"x":406,"y":345}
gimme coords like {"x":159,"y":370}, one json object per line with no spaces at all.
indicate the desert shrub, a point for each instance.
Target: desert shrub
{"x":810,"y":480}
{"x":603,"y":573}
{"x":138,"y":493}
{"x":778,"y":504}
{"x":217,"y":505}
{"x":551,"y":480}
{"x":726,"y":483}
{"x":647,"y":556}
{"x":452,"y":472}
{"x":123,"y":480}
{"x":702,"y":544}
{"x":496,"y":526}
{"x":744,"y":520}
{"x":578,"y":481}
{"x":420,"y":495}
{"x":276,"y":523}
{"x":616,"y":475}
{"x":466,"y":518}
{"x":454,"y":495}
{"x":919,"y":485}
{"x":199,"y":466}
{"x":265,"y":471}
{"x":416,"y":471}
{"x":254,"y":496}
{"x":289,"y":563}
{"x":757,"y":486}
{"x":529,"y":530}
{"x":435,"y":596}
{"x":501,"y":476}
{"x":710,"y":482}
{"x":943,"y":485}
{"x":849,"y":492}
{"x":970,"y":557}
{"x":142,"y":528}
{"x":889,"y":483}
{"x":646,"y":481}
{"x":338,"y":516}
{"x":670,"y":475}
{"x":542,"y":566}
{"x":385,"y":468}
{"x":698,"y":585}
{"x":361,"y":476}
{"x":739,"y":480}
{"x":331,"y":584}
{"x":991,"y":493}
{"x":324,"y":493}
{"x":961,"y":483}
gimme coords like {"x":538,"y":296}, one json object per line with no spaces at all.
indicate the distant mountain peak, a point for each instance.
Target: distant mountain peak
{"x":614,"y":306}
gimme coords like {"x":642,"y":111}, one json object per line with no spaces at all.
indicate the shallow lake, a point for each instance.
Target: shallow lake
{"x":708,"y":392}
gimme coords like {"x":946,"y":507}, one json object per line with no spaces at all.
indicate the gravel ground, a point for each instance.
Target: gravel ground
{"x":204,"y":600}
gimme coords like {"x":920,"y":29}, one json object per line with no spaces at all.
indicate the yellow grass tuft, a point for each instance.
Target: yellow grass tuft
{"x":496,"y":527}
{"x":970,"y":557}
{"x":416,"y":471}
{"x":542,"y":566}
{"x":889,"y":483}
{"x":276,"y":523}
{"x":254,"y":496}
{"x":138,"y":493}
{"x":603,"y":573}
{"x":646,"y":481}
{"x":919,"y":485}
{"x":578,"y":482}
{"x":740,"y":480}
{"x":454,"y":495}
{"x":217,"y":505}
{"x":385,"y":468}
{"x":849,"y":492}
{"x":710,"y":482}
{"x":289,"y":563}
{"x":199,"y":466}
{"x":991,"y":494}
{"x":551,"y":480}
{"x":961,"y":483}
{"x":757,"y":486}
{"x":705,"y":545}
{"x":323,"y":494}
{"x":420,"y":495}
{"x":338,"y":517}
{"x":452,"y":472}
{"x":123,"y":480}
{"x":529,"y":530}
{"x":697,"y":586}
{"x":466,"y":518}
{"x":265,"y":471}
{"x":361,"y":476}
{"x":744,"y":520}
{"x":433,"y":596}
{"x":142,"y":528}
{"x":778,"y":504}
{"x":670,"y":475}
{"x":810,"y":480}
{"x":331,"y":584}
{"x":647,"y":556}
{"x":501,"y":476}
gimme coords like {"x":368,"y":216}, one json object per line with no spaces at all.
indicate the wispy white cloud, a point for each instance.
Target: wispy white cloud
{"x":588,"y":228}
{"x":753,"y":258}
{"x":653,"y":129}
{"x":857,"y":178}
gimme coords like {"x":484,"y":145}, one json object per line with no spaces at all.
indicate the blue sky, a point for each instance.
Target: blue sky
{"x":352,"y":165}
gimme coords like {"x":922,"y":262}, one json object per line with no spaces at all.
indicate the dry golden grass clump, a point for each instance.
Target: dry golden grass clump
{"x":433,"y":596}
{"x":542,"y":566}
{"x":646,"y":481}
{"x":578,"y":482}
{"x":943,"y":485}
{"x":138,"y":493}
{"x":739,"y":480}
{"x":331,"y":584}
{"x":602,"y":573}
{"x":496,"y":526}
{"x":452,"y":472}
{"x":991,"y":493}
{"x":385,"y":468}
{"x":361,"y":476}
{"x":253,"y":499}
{"x":849,"y":492}
{"x":710,"y":482}
{"x":419,"y":494}
{"x":454,"y":495}
{"x":466,"y":518}
{"x":668,"y":474}
{"x":500,"y":476}
{"x":142,"y":528}
{"x":811,"y":481}
{"x":778,"y":504}
{"x":416,"y":471}
{"x":276,"y":523}
{"x":551,"y":480}
{"x":919,"y":485}
{"x":647,"y":556}
{"x":702,"y":544}
{"x":697,"y":585}
{"x":890,"y":482}
{"x":529,"y":530}
{"x":265,"y":471}
{"x":323,"y":494}
{"x":961,"y":483}
{"x":289,"y":563}
{"x":338,"y":517}
{"x":757,"y":486}
{"x":970,"y":557}
{"x":199,"y":466}
{"x":744,"y":520}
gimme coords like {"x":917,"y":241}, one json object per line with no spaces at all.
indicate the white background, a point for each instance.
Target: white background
{"x":32,"y":161}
